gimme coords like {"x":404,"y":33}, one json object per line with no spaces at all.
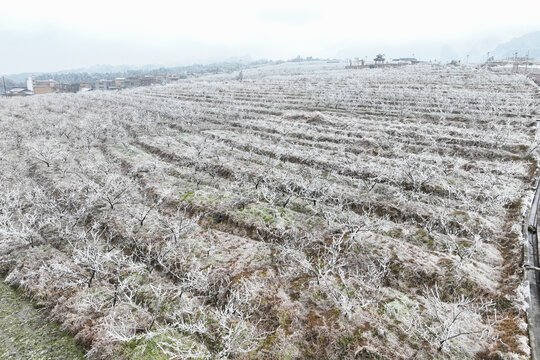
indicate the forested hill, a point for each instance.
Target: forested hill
{"x":527,"y":43}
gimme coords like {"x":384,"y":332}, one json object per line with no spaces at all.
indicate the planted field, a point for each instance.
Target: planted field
{"x":305,"y":212}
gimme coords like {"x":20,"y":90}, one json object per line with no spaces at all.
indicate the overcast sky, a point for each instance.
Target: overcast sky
{"x":51,"y":35}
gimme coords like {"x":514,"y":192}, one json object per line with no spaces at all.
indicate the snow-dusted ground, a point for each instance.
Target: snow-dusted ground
{"x":306,"y":211}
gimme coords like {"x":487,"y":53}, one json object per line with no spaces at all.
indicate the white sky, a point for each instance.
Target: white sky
{"x":49,"y":35}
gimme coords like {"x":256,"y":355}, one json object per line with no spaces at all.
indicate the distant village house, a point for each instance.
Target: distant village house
{"x":36,"y":87}
{"x":104,"y":84}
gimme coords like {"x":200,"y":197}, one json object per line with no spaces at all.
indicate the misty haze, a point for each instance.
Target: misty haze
{"x":277,"y":180}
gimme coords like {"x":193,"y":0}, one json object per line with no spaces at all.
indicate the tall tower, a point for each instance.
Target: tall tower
{"x":30,"y":84}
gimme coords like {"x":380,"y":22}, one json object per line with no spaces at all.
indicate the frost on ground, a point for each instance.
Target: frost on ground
{"x":25,"y":332}
{"x":305,"y":212}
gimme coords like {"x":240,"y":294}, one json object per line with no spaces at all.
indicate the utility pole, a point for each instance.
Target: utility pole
{"x":527,"y":61}
{"x":4,"y":81}
{"x":467,"y":59}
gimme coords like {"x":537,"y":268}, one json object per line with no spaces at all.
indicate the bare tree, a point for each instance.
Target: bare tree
{"x":179,"y":225}
{"x":91,"y":255}
{"x":114,"y":189}
{"x":448,"y":321}
{"x":44,"y":154}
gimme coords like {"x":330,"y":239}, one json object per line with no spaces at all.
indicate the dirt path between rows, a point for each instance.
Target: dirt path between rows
{"x":26,"y":333}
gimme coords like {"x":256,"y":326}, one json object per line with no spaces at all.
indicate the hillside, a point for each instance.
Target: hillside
{"x":529,"y":43}
{"x":306,"y":212}
{"x":99,"y":72}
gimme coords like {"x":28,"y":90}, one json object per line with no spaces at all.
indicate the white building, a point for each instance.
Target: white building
{"x":30,"y":84}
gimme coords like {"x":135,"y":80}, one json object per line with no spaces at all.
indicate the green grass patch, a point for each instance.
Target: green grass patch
{"x":148,"y":348}
{"x":272,"y":215}
{"x":130,"y":151}
{"x":144,"y":349}
{"x":421,"y":237}
{"x":195,"y":197}
{"x":26,"y":333}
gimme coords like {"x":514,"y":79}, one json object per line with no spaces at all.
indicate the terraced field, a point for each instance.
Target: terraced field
{"x":305,"y":212}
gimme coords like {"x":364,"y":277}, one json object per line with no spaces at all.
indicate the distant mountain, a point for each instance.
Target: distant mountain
{"x":118,"y":70}
{"x":95,"y":69}
{"x":526,"y":43}
{"x":109,"y":69}
{"x":472,"y":50}
{"x":110,"y":72}
{"x":19,"y":79}
{"x":83,"y":75}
